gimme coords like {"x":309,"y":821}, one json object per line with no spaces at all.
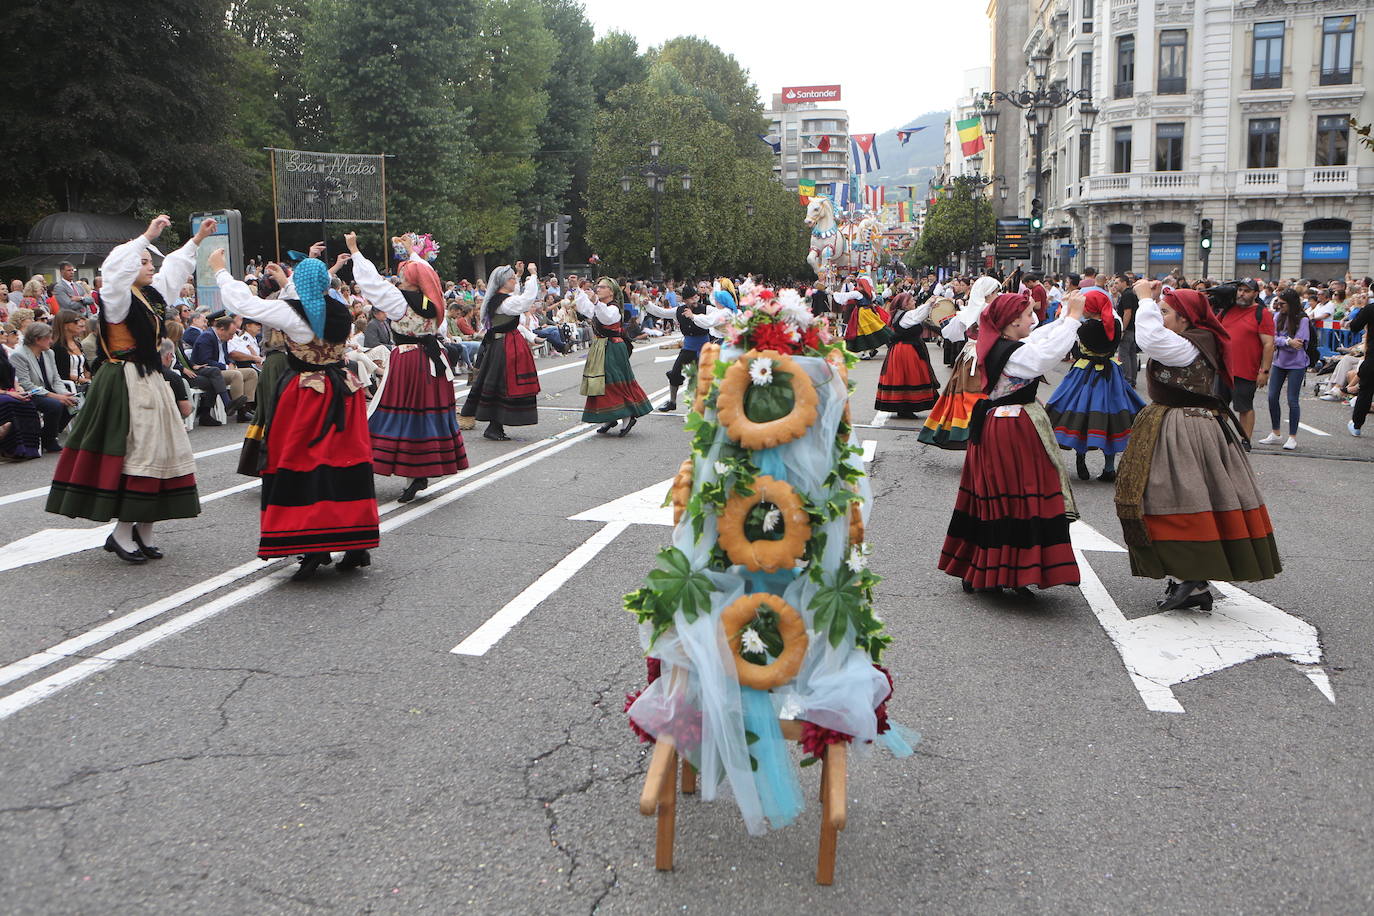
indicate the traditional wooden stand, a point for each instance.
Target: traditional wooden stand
{"x":660,"y":797}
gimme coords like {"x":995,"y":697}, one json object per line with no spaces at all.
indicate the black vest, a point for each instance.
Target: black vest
{"x":993,"y":366}
{"x":338,"y":320}
{"x":687,"y":326}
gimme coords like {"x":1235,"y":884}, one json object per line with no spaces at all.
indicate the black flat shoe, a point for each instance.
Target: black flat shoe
{"x":1185,"y":591}
{"x":236,"y":404}
{"x":309,"y":563}
{"x":1083,"y":473}
{"x":967,"y":586}
{"x":210,"y":421}
{"x":667,"y":408}
{"x":495,"y":435}
{"x":352,"y":559}
{"x":151,"y":553}
{"x":1023,"y":593}
{"x":412,"y":488}
{"x":1108,"y":476}
{"x":629,"y":425}
{"x":605,"y":428}
{"x":128,"y":556}
{"x":1201,"y":602}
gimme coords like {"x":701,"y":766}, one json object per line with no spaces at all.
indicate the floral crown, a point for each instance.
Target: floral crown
{"x":422,"y":245}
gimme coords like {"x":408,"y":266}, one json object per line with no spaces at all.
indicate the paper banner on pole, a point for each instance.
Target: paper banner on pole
{"x":339,"y":187}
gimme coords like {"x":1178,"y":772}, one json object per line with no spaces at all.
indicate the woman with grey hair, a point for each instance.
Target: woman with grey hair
{"x":507,"y":383}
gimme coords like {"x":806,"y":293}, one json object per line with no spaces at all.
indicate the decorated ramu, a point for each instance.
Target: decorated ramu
{"x":759,"y":622}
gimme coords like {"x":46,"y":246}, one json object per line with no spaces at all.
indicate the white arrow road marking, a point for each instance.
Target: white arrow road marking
{"x":880,"y":419}
{"x":1312,"y":429}
{"x":870,"y":449}
{"x":664,"y":359}
{"x":1173,"y":647}
{"x":643,"y":507}
{"x":43,"y":491}
{"x":41,"y":690}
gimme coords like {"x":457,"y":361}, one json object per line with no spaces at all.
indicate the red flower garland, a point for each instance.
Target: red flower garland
{"x":773,"y":336}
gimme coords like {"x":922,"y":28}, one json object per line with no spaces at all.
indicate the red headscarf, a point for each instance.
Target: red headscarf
{"x":901,"y":302}
{"x":1099,"y":303}
{"x":426,"y":277}
{"x":867,"y":286}
{"x":999,"y":313}
{"x":1197,"y":308}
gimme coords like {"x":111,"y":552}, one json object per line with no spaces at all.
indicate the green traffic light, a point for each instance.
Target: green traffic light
{"x":1036,"y":222}
{"x":1206,"y":243}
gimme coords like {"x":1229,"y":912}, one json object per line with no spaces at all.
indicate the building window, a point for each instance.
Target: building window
{"x":1338,"y":50}
{"x":1121,"y":149}
{"x":1085,"y":71}
{"x":1087,"y":17}
{"x":1125,"y":67}
{"x":1264,"y":144}
{"x":1333,"y":140}
{"x":1173,"y":61}
{"x":1267,"y":72}
{"x":1169,"y":147}
{"x":1085,"y":154}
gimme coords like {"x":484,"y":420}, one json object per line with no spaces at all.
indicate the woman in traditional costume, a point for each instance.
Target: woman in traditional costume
{"x":1093,"y":407}
{"x":1010,"y":527}
{"x":608,"y":380}
{"x":127,"y":455}
{"x":948,"y":423}
{"x":507,"y":384}
{"x":413,"y":420}
{"x":866,"y":327}
{"x":317,"y":489}
{"x":907,"y":383}
{"x":1189,"y":503}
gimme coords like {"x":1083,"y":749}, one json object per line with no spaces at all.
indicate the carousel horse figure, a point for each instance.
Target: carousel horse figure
{"x":828,"y":244}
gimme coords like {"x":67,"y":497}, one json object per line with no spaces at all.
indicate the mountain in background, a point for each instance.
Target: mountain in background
{"x":924,"y":152}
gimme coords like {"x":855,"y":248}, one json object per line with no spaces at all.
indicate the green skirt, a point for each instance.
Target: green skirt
{"x":622,"y":397}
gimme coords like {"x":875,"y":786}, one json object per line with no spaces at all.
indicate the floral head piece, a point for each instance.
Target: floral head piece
{"x":423,"y":246}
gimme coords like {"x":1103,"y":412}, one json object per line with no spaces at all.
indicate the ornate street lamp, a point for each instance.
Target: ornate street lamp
{"x":656,"y":175}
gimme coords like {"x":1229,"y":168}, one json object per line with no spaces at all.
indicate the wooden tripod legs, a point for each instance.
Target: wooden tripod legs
{"x":659,"y":798}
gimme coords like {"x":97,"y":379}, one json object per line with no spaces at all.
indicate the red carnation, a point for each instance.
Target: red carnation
{"x":811,"y":339}
{"x":643,"y":736}
{"x":815,"y":739}
{"x":881,"y":711}
{"x":773,"y":337}
{"x":655,"y":667}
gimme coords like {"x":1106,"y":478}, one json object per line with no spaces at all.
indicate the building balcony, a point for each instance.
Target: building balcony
{"x":1249,"y":181}
{"x":1330,"y":178}
{"x":1138,"y":184}
{"x":1312,"y":180}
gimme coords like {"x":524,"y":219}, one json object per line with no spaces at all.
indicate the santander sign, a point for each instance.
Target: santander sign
{"x":793,"y":94}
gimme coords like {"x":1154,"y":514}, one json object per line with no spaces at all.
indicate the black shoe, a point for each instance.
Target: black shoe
{"x":1182,"y":593}
{"x":237,"y":403}
{"x":669,"y":407}
{"x":1023,"y":593}
{"x":1245,"y":444}
{"x":967,"y":586}
{"x":309,"y":563}
{"x":629,"y":425}
{"x":1083,"y":473}
{"x":605,"y":428}
{"x":1108,"y":475}
{"x":496,"y":432}
{"x":415,"y":486}
{"x":245,"y":416}
{"x":151,"y":553}
{"x":352,"y":559}
{"x":51,"y":446}
{"x":1202,"y":602}
{"x":128,"y":556}
{"x":208,"y":420}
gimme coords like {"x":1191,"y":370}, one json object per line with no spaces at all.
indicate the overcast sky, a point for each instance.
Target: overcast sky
{"x":899,"y":58}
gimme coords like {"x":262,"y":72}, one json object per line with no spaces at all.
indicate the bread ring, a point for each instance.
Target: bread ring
{"x":765,"y":555}
{"x":706,"y":376}
{"x":856,"y":523}
{"x":738,"y":614}
{"x":836,"y":360}
{"x":681,"y":490}
{"x":735,"y":385}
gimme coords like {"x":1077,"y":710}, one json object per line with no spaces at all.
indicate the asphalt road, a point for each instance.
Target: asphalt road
{"x":174,"y":742}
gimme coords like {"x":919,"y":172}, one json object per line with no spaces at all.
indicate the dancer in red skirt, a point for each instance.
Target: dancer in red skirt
{"x":907,"y":383}
{"x":317,"y":490}
{"x":1010,"y":527}
{"x":413,"y":421}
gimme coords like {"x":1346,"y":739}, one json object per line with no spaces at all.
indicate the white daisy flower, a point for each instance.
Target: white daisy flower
{"x":721,"y":468}
{"x":761,"y":371}
{"x":771,"y":518}
{"x":752,"y":642}
{"x":856,"y":562}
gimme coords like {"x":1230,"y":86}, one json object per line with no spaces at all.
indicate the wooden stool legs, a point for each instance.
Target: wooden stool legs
{"x":834,"y":770}
{"x":660,"y":797}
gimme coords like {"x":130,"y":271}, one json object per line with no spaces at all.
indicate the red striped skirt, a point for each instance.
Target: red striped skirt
{"x":414,"y":428}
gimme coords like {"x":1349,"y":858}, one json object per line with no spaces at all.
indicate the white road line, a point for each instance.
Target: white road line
{"x":870,"y":449}
{"x":43,"y":490}
{"x":504,"y":620}
{"x":880,"y":419}
{"x":41,"y":690}
{"x":1312,"y":429}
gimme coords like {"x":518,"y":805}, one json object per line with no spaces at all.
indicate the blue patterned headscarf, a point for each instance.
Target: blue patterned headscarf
{"x":311,"y":278}
{"x":723,"y":299}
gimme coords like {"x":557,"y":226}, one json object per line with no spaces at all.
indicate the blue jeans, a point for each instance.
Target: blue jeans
{"x":553,"y":336}
{"x":1293,"y":379}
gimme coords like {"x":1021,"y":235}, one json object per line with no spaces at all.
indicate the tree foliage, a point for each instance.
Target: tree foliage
{"x":958,"y":222}
{"x":617,"y":63}
{"x":719,"y":82}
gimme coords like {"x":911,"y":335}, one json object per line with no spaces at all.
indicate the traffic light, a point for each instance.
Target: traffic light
{"x":563,"y":232}
{"x":1276,"y":252}
{"x":1264,"y":260}
{"x":1206,"y":234}
{"x":1037,"y":214}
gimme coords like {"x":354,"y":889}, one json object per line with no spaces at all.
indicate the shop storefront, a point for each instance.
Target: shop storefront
{"x":1166,"y":249}
{"x":1258,"y":250}
{"x":1325,"y":249}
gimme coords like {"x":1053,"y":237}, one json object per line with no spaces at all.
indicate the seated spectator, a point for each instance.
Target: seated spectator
{"x":21,"y":317}
{"x":35,"y":294}
{"x":9,"y":339}
{"x":244,"y":347}
{"x":169,"y":351}
{"x":68,"y":331}
{"x":378,"y":333}
{"x":211,"y":349}
{"x":21,"y":425}
{"x":16,"y":294}
{"x":36,"y":372}
{"x":208,"y":380}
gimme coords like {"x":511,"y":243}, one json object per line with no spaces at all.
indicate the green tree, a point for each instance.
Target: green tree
{"x":617,"y":63}
{"x":960,"y":221}
{"x":387,"y":73}
{"x":722,"y":85}
{"x":118,"y":107}
{"x":276,"y":28}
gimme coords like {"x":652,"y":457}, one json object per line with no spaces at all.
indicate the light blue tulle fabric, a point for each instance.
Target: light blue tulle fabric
{"x":699,"y":702}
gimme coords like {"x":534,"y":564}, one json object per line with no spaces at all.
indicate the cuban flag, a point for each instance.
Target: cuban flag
{"x":772,"y":140}
{"x":905,"y":133}
{"x":863,"y":153}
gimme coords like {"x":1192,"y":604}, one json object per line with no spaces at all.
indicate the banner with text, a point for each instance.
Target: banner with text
{"x":791,"y":95}
{"x":337,"y":187}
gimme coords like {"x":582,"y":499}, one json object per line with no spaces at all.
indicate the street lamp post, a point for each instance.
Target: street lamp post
{"x":656,"y":175}
{"x":1039,"y":104}
{"x":328,"y":188}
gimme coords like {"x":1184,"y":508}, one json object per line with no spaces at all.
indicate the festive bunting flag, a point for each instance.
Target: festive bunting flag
{"x":772,"y":140}
{"x":905,"y":133}
{"x":823,"y":144}
{"x":901,"y":211}
{"x":807,"y":187}
{"x":863,"y":153}
{"x":874,"y":196}
{"x":970,"y":135}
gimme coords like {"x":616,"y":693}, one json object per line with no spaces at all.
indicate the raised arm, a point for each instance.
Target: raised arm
{"x":844,"y":298}
{"x":375,"y":287}
{"x":1158,"y":342}
{"x":660,"y":311}
{"x":1045,"y":347}
{"x":522,"y":300}
{"x":273,"y":313}
{"x":912,"y":317}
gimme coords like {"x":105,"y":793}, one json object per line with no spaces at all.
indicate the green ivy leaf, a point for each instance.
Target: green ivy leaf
{"x":677,"y":586}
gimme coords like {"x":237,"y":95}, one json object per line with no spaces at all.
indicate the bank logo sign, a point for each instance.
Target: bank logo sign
{"x":794,"y":94}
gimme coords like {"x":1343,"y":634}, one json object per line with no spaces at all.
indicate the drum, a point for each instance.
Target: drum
{"x":941,"y":310}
